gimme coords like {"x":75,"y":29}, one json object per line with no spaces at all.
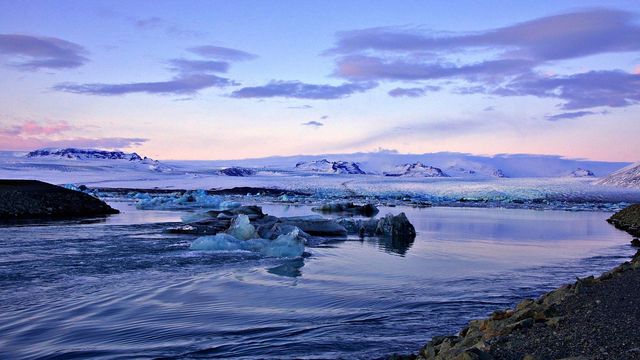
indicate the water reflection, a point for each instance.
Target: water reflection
{"x":391,"y":245}
{"x":289,"y":268}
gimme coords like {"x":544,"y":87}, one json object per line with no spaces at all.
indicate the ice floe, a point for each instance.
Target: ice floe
{"x":289,"y":245}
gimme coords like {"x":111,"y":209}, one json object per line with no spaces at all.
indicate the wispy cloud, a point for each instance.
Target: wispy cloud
{"x":180,"y":85}
{"x":38,"y":52}
{"x":300,"y":90}
{"x":148,"y":23}
{"x":412,"y":92}
{"x":31,"y":143}
{"x":29,"y":135}
{"x":159,"y":23}
{"x":507,"y":58}
{"x":192,"y":76}
{"x":222,"y":53}
{"x":33,"y":128}
{"x":431,"y":129}
{"x":563,"y":36}
{"x":198,"y":66}
{"x":579,"y":91}
{"x":313,"y":123}
{"x":574,"y":115}
{"x":300,"y":107}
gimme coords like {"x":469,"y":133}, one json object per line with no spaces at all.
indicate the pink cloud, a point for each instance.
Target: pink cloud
{"x":636,"y":70}
{"x":17,"y":143}
{"x":32,"y":128}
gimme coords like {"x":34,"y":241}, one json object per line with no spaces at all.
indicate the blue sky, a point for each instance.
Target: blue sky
{"x":236,"y":79}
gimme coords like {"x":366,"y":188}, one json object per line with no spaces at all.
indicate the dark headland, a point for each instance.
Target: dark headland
{"x":32,"y":199}
{"x":593,"y":318}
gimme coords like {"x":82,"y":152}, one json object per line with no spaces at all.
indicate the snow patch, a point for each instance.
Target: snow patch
{"x":417,"y":169}
{"x":628,"y":176}
{"x":330,"y":167}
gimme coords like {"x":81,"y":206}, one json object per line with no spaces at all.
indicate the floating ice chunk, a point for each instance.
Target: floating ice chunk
{"x":228,"y":205}
{"x":219,"y":242}
{"x":290,"y":245}
{"x":188,"y":199}
{"x":286,"y":245}
{"x":241,"y":228}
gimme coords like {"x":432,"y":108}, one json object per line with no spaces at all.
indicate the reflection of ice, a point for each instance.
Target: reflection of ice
{"x":290,"y":268}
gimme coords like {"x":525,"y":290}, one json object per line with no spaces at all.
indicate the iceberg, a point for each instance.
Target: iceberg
{"x":188,"y":199}
{"x":289,"y":245}
{"x":241,"y":228}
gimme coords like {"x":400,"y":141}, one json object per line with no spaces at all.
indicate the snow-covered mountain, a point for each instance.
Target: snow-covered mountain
{"x":330,"y":167}
{"x":237,"y":171}
{"x":628,"y":176}
{"x":97,"y":157}
{"x":84,"y":154}
{"x":580,"y":172}
{"x":509,"y":165}
{"x":417,"y":169}
{"x":480,"y":171}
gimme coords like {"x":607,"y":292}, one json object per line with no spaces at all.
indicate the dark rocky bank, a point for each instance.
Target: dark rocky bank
{"x":627,"y":219}
{"x":594,"y":318}
{"x":32,"y":199}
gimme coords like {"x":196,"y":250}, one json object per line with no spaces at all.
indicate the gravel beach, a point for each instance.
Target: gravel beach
{"x":594,"y":318}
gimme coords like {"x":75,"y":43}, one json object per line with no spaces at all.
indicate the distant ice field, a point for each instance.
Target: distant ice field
{"x":573,"y":193}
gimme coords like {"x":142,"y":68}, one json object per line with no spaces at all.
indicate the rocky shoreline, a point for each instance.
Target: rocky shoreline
{"x":593,"y":318}
{"x":32,"y":199}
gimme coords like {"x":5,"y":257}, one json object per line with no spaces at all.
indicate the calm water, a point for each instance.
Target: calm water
{"x":121,"y":288}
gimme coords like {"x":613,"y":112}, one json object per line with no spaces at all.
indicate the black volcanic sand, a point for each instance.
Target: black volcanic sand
{"x":594,"y":318}
{"x":32,"y":199}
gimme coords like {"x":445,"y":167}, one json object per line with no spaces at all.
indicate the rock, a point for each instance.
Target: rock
{"x":635,"y":242}
{"x":316,"y":225}
{"x":276,"y":229}
{"x":396,"y":227}
{"x":332,"y":167}
{"x":627,"y":219}
{"x":348,"y":208}
{"x":24,"y":199}
{"x":237,"y":171}
{"x":580,"y":172}
{"x":416,"y":170}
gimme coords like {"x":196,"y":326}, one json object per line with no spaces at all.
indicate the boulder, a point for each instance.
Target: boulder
{"x":347,"y":208}
{"x":28,"y":199}
{"x":316,"y":225}
{"x":396,"y":227}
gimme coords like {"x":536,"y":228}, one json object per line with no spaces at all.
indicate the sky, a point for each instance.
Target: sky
{"x":242,"y":79}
